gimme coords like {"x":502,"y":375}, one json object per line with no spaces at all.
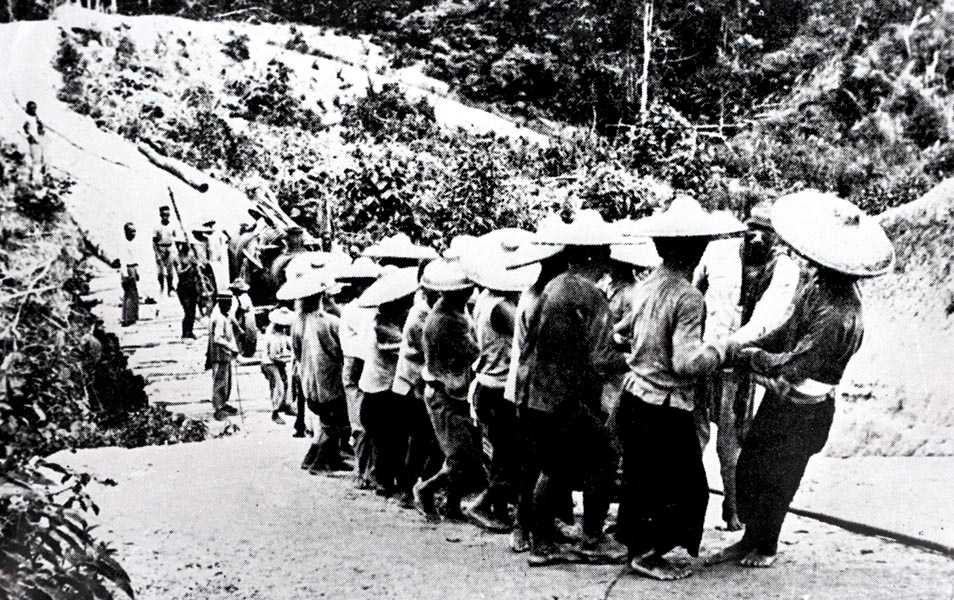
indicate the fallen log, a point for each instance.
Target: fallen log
{"x":170,"y":165}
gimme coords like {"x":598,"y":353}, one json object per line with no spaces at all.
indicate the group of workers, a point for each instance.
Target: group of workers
{"x":491,"y":382}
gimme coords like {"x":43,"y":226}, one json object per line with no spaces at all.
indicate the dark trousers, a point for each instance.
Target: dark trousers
{"x":498,"y":417}
{"x":130,"y":301}
{"x":665,"y":491}
{"x":424,"y":456}
{"x":572,"y":450}
{"x":459,"y":439}
{"x":189,"y":299}
{"x":774,"y":455}
{"x":385,"y":425}
{"x":331,"y":435}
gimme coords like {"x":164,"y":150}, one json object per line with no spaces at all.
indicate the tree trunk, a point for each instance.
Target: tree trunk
{"x":647,"y":52}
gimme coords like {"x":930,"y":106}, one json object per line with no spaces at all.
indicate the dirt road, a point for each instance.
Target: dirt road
{"x":237,"y":518}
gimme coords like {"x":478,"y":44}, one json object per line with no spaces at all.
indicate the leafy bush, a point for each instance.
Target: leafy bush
{"x":153,"y":426}
{"x":236,"y":47}
{"x":388,"y":114}
{"x":42,"y":203}
{"x":269,"y":99}
{"x":47,"y":549}
{"x":208,"y":141}
{"x":125,"y":55}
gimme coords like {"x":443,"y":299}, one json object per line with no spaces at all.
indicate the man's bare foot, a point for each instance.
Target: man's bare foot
{"x":736,"y":551}
{"x":732,"y":524}
{"x":657,"y":567}
{"x":758,"y":560}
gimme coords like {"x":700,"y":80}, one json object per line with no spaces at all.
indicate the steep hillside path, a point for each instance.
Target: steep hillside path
{"x":236,"y":518}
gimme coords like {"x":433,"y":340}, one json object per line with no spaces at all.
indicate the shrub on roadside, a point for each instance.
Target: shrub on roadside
{"x":236,"y":47}
{"x":388,"y":114}
{"x":42,"y":203}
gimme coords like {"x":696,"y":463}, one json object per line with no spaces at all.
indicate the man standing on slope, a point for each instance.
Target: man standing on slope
{"x":801,"y":363}
{"x":163,"y":239}
{"x":35,"y":134}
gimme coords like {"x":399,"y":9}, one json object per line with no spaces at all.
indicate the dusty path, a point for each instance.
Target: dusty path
{"x":237,"y":518}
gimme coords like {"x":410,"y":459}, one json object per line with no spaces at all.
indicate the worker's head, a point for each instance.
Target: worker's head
{"x":31,"y":108}
{"x":183,"y":247}
{"x":224,"y":302}
{"x":681,"y":253}
{"x":130,"y":230}
{"x":590,"y":261}
{"x":164,"y":214}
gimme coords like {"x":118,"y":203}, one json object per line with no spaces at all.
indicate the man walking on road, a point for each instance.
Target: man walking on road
{"x":163,"y":239}
{"x":35,"y":134}
{"x":129,"y":275}
{"x":220,"y":357}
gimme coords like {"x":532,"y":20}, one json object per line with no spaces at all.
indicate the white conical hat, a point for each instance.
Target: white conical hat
{"x":399,"y":245}
{"x":486,"y":265}
{"x":833,"y":233}
{"x":444,"y":275}
{"x":686,"y":218}
{"x":393,"y":284}
{"x":529,"y":253}
{"x":304,"y":283}
{"x":587,"y":229}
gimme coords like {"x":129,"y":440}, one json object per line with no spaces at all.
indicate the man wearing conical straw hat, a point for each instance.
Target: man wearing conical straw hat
{"x":566,"y":357}
{"x":316,"y":348}
{"x":801,"y":363}
{"x":493,"y":316}
{"x":665,"y":492}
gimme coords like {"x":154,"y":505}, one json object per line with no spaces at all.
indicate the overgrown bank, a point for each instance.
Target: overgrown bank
{"x":64,"y":384}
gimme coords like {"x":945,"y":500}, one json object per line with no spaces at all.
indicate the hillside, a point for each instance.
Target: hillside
{"x":321,"y":120}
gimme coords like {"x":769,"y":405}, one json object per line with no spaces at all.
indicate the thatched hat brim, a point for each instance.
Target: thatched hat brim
{"x":685,"y":218}
{"x":281,"y":316}
{"x":362,"y":269}
{"x":639,"y":255}
{"x":833,"y":233}
{"x":305,"y":284}
{"x":394,"y":284}
{"x":444,"y":275}
{"x":399,"y":246}
{"x":487,"y":265}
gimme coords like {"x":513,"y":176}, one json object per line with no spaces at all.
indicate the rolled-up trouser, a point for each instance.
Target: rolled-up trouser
{"x":723,"y":390}
{"x":164,"y":266}
{"x":459,"y":439}
{"x":37,"y":166}
{"x":221,"y":384}
{"x":277,"y":383}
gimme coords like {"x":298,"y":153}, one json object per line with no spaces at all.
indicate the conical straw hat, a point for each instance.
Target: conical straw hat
{"x":528,"y":253}
{"x":444,"y":275}
{"x":281,"y":316}
{"x":362,"y":268}
{"x":399,"y":245}
{"x":686,"y":218}
{"x":301,"y":284}
{"x":459,"y":247}
{"x":487,"y":264}
{"x":393,"y":284}
{"x":833,"y":233}
{"x":587,"y":229}
{"x":641,"y":254}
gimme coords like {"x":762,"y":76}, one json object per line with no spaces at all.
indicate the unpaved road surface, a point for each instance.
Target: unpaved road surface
{"x":237,"y":518}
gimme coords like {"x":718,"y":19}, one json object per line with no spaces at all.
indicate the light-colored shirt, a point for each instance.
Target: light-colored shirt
{"x":383,"y":344}
{"x":33,"y":129}
{"x":127,"y":258}
{"x":492,"y":367}
{"x":665,"y":331}
{"x":278,"y":347}
{"x":165,"y":235}
{"x":410,"y":363}
{"x":776,"y":304}
{"x":525,"y":305}
{"x":719,"y":275}
{"x":354,"y":329}
{"x":222,"y":344}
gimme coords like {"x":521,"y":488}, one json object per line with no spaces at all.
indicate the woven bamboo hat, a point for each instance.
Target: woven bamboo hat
{"x":301,"y":284}
{"x":399,"y":245}
{"x":641,"y":254}
{"x":308,"y":261}
{"x":444,"y":275}
{"x":460,"y":247}
{"x":587,"y":229}
{"x":487,"y":264}
{"x":528,"y":253}
{"x":393,"y":284}
{"x":281,"y":316}
{"x":833,"y":233}
{"x":686,"y":218}
{"x":363,"y":268}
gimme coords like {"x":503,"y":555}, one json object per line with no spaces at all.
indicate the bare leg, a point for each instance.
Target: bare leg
{"x":736,"y":551}
{"x":758,"y":560}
